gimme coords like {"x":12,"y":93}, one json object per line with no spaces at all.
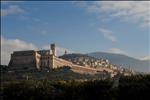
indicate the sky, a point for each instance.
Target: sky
{"x":76,"y":26}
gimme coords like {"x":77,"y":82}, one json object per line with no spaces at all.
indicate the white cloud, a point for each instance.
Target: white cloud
{"x":132,"y":11}
{"x":108,"y":34}
{"x":145,"y":58}
{"x":10,"y":45}
{"x":12,"y":9}
{"x":116,"y":50}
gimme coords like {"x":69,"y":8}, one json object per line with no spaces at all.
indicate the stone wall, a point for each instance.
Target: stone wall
{"x":23,"y":60}
{"x":41,"y":59}
{"x":58,"y":62}
{"x":83,"y":69}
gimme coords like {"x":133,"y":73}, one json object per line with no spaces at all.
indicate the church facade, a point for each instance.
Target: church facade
{"x":37,"y":59}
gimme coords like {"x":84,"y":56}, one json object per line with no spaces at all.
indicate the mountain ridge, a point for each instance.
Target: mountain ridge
{"x":125,"y":60}
{"x":117,"y":54}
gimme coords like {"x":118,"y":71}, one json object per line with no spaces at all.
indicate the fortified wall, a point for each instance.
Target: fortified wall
{"x":32,"y":59}
{"x":58,"y":62}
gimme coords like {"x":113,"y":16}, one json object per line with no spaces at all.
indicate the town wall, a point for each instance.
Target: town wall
{"x":58,"y":62}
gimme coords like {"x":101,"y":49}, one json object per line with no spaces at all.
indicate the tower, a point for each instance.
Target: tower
{"x":65,"y":52}
{"x":53,"y":48}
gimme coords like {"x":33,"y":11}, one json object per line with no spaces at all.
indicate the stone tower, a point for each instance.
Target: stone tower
{"x":53,"y":48}
{"x":65,"y":52}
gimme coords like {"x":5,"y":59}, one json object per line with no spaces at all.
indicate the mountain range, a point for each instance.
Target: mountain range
{"x":118,"y":59}
{"x":123,"y":60}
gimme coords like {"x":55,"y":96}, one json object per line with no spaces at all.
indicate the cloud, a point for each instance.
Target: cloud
{"x":116,"y":50}
{"x":12,"y":9}
{"x":10,"y":45}
{"x":108,"y":34}
{"x":130,"y":11}
{"x":145,"y":58}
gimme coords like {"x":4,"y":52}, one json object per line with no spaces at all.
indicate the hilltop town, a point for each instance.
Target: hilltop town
{"x":48,"y":59}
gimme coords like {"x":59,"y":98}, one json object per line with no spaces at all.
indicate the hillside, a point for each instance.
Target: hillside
{"x":118,"y":59}
{"x":126,"y":61}
{"x":76,"y":55}
{"x":63,"y":73}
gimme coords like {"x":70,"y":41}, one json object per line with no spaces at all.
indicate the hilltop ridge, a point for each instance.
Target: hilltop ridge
{"x":124,"y":60}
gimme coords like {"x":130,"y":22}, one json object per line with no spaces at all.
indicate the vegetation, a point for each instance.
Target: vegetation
{"x":63,"y":73}
{"x":130,"y":88}
{"x":134,"y":87}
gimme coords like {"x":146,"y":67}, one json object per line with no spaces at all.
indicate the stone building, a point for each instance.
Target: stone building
{"x":25,"y":59}
{"x":32,"y":59}
{"x":37,"y":59}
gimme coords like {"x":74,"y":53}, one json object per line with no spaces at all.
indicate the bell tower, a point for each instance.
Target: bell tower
{"x":65,"y":52}
{"x":53,"y":48}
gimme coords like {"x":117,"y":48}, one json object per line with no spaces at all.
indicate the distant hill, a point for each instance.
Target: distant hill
{"x":126,"y":61}
{"x":76,"y":55}
{"x":118,"y":59}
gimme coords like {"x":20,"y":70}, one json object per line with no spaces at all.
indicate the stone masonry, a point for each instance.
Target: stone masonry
{"x":32,"y":59}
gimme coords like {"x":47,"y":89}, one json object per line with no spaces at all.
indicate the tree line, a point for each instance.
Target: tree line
{"x":130,"y":88}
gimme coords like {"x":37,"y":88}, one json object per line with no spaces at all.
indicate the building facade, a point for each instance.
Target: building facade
{"x":31,"y":59}
{"x":37,"y":59}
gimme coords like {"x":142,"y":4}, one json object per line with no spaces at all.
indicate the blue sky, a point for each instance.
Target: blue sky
{"x":116,"y":27}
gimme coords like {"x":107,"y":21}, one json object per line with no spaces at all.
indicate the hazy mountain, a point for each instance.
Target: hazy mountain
{"x":126,"y":61}
{"x":118,"y":59}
